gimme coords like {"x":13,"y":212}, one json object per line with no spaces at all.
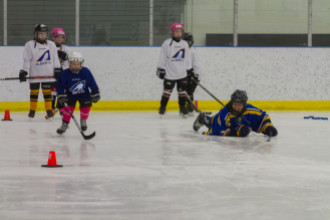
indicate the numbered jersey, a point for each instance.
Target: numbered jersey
{"x":224,"y":120}
{"x":77,"y":86}
{"x":175,"y":58}
{"x":40,"y":60}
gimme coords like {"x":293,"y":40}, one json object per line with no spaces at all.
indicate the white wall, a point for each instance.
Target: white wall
{"x":128,"y":73}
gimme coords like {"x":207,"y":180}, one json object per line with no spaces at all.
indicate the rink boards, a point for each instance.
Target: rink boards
{"x":203,"y":105}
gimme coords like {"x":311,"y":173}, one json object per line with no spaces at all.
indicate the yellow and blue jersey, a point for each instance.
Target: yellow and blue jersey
{"x":225,"y":121}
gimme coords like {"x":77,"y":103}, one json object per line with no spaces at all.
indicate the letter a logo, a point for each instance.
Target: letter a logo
{"x":181,"y":53}
{"x":44,"y":56}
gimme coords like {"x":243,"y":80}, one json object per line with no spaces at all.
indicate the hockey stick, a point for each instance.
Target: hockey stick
{"x":195,"y":81}
{"x":86,"y":137}
{"x":191,"y":103}
{"x":30,"y":77}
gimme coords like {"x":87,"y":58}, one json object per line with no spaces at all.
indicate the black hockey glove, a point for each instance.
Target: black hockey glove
{"x":57,"y":72}
{"x":95,"y":97}
{"x":22,"y":75}
{"x":192,"y":75}
{"x":62,"y":55}
{"x":62,"y":99}
{"x":161,"y":73}
{"x":271,"y":131}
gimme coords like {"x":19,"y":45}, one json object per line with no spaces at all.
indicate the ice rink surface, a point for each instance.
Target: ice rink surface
{"x":141,"y":167}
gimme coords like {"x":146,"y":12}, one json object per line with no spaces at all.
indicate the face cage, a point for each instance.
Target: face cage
{"x":37,"y":32}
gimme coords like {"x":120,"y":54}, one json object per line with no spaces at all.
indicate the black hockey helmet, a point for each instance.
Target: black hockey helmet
{"x":40,"y":28}
{"x":239,"y":96}
{"x":187,"y":36}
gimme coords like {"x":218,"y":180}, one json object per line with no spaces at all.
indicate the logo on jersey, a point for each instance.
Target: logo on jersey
{"x":179,"y":55}
{"x":44,"y":58}
{"x":78,"y":88}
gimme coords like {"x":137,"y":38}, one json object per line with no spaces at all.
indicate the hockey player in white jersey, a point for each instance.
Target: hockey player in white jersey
{"x":174,"y":63}
{"x":195,"y":74}
{"x":63,"y":51}
{"x":40,"y":60}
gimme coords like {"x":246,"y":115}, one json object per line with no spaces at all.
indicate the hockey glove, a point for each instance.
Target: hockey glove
{"x":62,"y":55}
{"x":271,"y":131}
{"x":62,"y":99}
{"x":192,"y":75}
{"x":22,"y":75}
{"x":57,"y":73}
{"x":95,"y":97}
{"x":161,"y":73}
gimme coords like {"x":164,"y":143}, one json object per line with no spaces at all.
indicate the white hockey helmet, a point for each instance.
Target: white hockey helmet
{"x":76,"y":57}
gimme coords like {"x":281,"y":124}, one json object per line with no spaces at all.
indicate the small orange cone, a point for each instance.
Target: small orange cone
{"x":7,"y":116}
{"x":52,"y":160}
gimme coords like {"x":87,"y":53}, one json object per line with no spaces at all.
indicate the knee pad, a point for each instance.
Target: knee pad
{"x":271,"y":131}
{"x":243,"y":131}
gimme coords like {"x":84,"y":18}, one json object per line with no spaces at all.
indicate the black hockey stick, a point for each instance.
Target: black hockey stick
{"x":191,"y":103}
{"x":195,"y":81}
{"x":86,"y":137}
{"x":30,"y":77}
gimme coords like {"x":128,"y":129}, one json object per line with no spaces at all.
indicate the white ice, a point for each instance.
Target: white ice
{"x":142,"y":167}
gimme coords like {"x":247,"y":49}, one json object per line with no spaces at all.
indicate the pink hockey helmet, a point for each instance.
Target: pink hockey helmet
{"x":176,"y":26}
{"x":58,"y":31}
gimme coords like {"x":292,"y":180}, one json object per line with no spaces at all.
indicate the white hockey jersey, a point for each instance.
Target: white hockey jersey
{"x":175,"y":58}
{"x":40,"y":60}
{"x":66,"y":49}
{"x":195,"y":62}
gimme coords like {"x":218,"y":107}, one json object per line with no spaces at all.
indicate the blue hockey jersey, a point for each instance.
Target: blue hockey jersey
{"x":224,"y":121}
{"x":77,"y":86}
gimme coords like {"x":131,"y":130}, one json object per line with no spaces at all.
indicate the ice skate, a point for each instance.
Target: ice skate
{"x":49,"y":115}
{"x":54,"y":111}
{"x":63,"y":127}
{"x":183,"y":111}
{"x":161,"y":111}
{"x":83,"y":125}
{"x":31,"y":114}
{"x":199,"y":122}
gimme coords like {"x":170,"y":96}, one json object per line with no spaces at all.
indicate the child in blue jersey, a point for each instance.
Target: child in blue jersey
{"x":237,"y":118}
{"x":76,"y":84}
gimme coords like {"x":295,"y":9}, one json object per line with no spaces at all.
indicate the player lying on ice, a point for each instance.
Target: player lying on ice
{"x":237,"y":119}
{"x":76,"y":84}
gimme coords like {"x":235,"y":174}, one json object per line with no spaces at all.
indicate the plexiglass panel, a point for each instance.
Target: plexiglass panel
{"x":23,"y":15}
{"x":208,"y":17}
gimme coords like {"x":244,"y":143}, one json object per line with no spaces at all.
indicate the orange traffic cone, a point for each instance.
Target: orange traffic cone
{"x":52,"y":160}
{"x":7,"y":116}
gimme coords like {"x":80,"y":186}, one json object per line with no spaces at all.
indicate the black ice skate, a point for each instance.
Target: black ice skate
{"x":183,"y":111}
{"x":49,"y":114}
{"x":83,"y":125}
{"x":162,"y":110}
{"x":190,"y":109}
{"x":63,"y":127}
{"x":199,"y":122}
{"x":31,"y":114}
